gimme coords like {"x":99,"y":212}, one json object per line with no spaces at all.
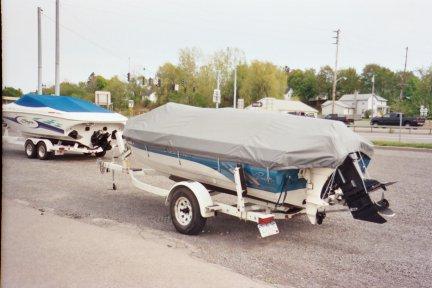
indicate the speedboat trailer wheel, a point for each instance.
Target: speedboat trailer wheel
{"x":42,"y":151}
{"x":30,"y":149}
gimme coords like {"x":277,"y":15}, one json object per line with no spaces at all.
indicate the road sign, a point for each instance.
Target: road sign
{"x":131,"y":103}
{"x":103,"y":98}
{"x":240,"y":103}
{"x":423,"y":111}
{"x":216,"y":96}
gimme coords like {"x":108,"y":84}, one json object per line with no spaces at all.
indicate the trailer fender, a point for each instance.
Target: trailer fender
{"x":48,"y":143}
{"x":201,"y":193}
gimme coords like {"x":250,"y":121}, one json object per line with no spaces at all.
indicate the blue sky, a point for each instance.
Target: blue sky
{"x":100,"y":35}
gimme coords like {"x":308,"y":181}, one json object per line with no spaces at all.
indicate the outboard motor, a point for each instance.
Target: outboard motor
{"x":356,"y":191}
{"x":100,"y":139}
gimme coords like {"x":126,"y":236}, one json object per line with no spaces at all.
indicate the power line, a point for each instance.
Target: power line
{"x":87,"y":39}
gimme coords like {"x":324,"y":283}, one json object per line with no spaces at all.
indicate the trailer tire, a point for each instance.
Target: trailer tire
{"x":30,"y":149}
{"x":185,"y":212}
{"x":42,"y":151}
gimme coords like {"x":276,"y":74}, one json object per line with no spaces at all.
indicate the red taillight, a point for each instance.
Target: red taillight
{"x":266,"y":220}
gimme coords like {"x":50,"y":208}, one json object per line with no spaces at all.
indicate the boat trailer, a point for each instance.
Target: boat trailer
{"x":44,"y":149}
{"x":192,"y":202}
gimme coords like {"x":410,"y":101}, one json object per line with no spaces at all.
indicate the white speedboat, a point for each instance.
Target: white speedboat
{"x":291,"y":163}
{"x":63,"y":120}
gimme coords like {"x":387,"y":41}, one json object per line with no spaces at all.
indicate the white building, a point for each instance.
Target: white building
{"x":340,"y":108}
{"x":284,"y":106}
{"x":364,"y":102}
{"x":152,"y":97}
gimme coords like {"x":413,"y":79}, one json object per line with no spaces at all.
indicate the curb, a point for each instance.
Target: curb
{"x":396,"y":148}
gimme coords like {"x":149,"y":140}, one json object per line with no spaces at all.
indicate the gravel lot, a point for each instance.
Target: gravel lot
{"x":340,"y":253}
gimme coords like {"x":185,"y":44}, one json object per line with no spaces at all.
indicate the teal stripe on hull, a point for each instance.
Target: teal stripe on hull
{"x":275,"y":181}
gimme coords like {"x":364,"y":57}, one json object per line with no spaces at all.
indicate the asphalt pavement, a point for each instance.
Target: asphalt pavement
{"x":45,"y":250}
{"x":342,"y":252}
{"x":408,"y":138}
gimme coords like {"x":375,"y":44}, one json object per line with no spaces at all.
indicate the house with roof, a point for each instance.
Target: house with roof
{"x":284,"y":106}
{"x":359,"y":104}
{"x":340,"y":108}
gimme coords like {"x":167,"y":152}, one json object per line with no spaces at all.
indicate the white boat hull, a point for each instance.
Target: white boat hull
{"x":53,"y":124}
{"x":172,"y":166}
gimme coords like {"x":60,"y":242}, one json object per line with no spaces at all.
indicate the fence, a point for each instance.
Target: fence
{"x":393,"y":129}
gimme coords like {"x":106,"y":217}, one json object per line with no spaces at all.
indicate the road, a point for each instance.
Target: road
{"x":409,"y":138}
{"x":340,"y":253}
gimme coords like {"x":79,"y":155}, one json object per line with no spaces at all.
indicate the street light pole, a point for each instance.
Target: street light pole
{"x":57,"y":50}
{"x":39,"y":11}
{"x":235,"y":88}
{"x":218,"y":88}
{"x":335,"y":70}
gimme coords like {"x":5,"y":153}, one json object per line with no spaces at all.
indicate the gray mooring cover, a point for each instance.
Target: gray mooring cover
{"x":265,"y":139}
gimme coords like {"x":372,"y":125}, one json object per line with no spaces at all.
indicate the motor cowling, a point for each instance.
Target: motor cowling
{"x":100,"y":139}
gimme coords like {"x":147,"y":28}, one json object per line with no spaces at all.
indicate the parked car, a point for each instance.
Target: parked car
{"x":343,"y":118}
{"x":393,"y":119}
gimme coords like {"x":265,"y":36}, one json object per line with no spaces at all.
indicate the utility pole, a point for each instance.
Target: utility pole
{"x":39,"y":11}
{"x":373,"y":84}
{"x":235,"y":88}
{"x":335,"y":70}
{"x":57,"y":50}
{"x":218,"y":86}
{"x":404,"y":74}
{"x":355,"y":104}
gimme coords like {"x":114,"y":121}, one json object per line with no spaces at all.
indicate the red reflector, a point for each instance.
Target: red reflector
{"x":265,"y":220}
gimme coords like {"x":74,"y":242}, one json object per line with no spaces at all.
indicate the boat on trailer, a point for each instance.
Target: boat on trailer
{"x":55,"y":124}
{"x":277,"y":165}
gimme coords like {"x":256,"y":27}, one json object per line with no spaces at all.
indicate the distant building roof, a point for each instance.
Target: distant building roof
{"x":338,"y":103}
{"x":281,"y":105}
{"x":360,"y":97}
{"x":380,"y":98}
{"x":10,"y":98}
{"x":320,"y":97}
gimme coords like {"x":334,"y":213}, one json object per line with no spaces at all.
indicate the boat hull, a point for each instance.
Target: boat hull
{"x":169,"y":164}
{"x":58,"y":126}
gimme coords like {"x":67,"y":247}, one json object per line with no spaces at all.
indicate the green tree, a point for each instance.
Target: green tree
{"x":325,"y":81}
{"x":386,"y":82}
{"x":262,"y":79}
{"x":95,"y":83}
{"x":75,"y":90}
{"x":118,"y":93}
{"x":349,"y":81}
{"x":303,"y":83}
{"x":10,"y":91}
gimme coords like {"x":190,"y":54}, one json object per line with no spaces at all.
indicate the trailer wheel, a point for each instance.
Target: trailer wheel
{"x":185,"y":212}
{"x":30,"y":149}
{"x":42,"y":151}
